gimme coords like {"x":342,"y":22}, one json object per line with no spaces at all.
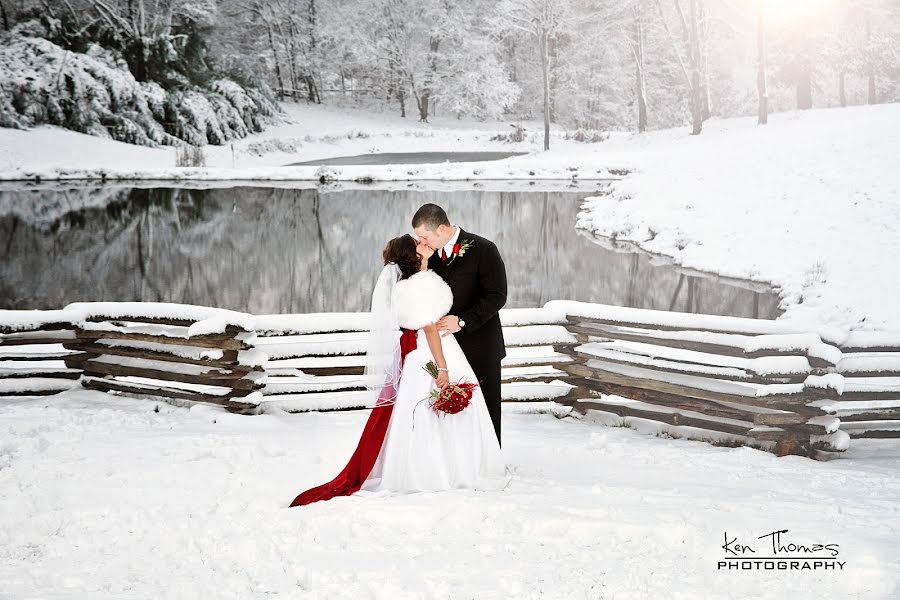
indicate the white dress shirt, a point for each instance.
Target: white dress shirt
{"x":448,"y":248}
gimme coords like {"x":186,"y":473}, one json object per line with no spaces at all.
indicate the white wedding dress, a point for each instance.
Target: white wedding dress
{"x":424,"y":450}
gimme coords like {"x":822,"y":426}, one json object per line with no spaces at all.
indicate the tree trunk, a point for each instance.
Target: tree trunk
{"x":545,"y":69}
{"x":637,"y":48}
{"x":761,"y":63}
{"x":870,"y":63}
{"x":4,"y":15}
{"x":277,"y":65}
{"x":312,"y":90}
{"x":804,"y":87}
{"x":704,"y":57}
{"x":554,"y":78}
{"x":422,"y":103}
{"x":425,"y":99}
{"x":696,"y":106}
{"x":289,"y":44}
{"x":842,"y":88}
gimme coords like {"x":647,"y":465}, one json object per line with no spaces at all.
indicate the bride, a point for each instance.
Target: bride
{"x":405,"y":445}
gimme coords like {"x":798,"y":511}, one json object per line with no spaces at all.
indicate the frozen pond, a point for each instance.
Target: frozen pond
{"x":283,"y":250}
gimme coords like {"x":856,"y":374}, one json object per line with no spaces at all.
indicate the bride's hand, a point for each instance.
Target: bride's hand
{"x":443,"y":379}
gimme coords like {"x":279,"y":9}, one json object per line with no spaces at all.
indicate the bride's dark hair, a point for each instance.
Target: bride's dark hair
{"x":402,"y":250}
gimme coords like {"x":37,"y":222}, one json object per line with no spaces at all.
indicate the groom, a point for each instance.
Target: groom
{"x":472,"y":267}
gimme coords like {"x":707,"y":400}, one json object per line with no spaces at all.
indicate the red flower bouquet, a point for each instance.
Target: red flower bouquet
{"x":453,"y":398}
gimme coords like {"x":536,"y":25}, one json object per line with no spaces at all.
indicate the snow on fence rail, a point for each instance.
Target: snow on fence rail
{"x":756,"y":381}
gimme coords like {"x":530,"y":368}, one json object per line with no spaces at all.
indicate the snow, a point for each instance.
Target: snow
{"x":175,"y":349}
{"x":872,"y":339}
{"x":704,"y":361}
{"x":703,"y":383}
{"x":854,"y":406}
{"x":533,"y":354}
{"x":600,"y":351}
{"x":838,"y":440}
{"x":157,"y":365}
{"x":650,"y":319}
{"x":24,"y":320}
{"x":38,"y":335}
{"x":145,"y":383}
{"x":831,"y":424}
{"x":300,"y":324}
{"x":872,"y":384}
{"x":869,"y":361}
{"x":831,"y":381}
{"x":26,"y":366}
{"x":34,"y":384}
{"x":536,"y":334}
{"x":253,"y":358}
{"x":809,"y":203}
{"x":656,"y":408}
{"x":857,"y":427}
{"x":309,"y":133}
{"x":195,"y":500}
{"x":534,"y":391}
{"x":206,"y":319}
{"x":34,"y":351}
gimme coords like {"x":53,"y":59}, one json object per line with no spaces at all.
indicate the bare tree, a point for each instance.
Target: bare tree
{"x":690,"y":67}
{"x":637,"y":51}
{"x":541,"y":20}
{"x":763,"y":113}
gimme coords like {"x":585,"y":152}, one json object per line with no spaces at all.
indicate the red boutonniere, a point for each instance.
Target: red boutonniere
{"x":459,"y":249}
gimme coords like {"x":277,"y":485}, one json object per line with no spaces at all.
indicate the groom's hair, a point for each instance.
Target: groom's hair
{"x":431,"y":216}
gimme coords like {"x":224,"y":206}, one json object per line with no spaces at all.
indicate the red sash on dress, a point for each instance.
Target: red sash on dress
{"x":350,"y":480}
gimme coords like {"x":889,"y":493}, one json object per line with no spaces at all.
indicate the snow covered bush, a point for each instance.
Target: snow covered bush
{"x":517,"y":135}
{"x":95,"y":93}
{"x":588,"y":136}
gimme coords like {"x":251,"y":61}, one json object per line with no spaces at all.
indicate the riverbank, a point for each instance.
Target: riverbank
{"x":809,"y":203}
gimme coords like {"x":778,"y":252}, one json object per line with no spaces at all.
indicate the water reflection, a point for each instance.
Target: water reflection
{"x":276,"y":250}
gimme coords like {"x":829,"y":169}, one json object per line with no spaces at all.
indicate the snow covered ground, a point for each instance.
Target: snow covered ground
{"x":809,"y":203}
{"x":102,"y":497}
{"x":313,"y":133}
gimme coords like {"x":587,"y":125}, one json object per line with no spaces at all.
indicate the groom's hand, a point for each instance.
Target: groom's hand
{"x":448,"y":325}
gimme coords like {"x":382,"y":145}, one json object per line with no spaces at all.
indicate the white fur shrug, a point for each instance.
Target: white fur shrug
{"x":421,"y":300}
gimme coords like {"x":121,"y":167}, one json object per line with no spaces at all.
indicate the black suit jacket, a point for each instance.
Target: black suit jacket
{"x":478,"y":282}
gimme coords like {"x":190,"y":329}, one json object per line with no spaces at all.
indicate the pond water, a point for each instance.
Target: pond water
{"x":284,"y":250}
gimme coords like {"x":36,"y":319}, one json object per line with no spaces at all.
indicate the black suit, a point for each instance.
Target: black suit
{"x":478,"y":282}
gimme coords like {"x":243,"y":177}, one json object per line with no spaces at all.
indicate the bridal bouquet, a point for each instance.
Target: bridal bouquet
{"x":453,"y":398}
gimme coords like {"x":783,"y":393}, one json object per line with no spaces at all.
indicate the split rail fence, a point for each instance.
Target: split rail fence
{"x":721,"y":379}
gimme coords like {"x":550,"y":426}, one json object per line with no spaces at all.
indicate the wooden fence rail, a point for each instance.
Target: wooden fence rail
{"x":32,"y":353}
{"x":316,"y":361}
{"x":763,"y":381}
{"x":745,"y":381}
{"x":176,"y":352}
